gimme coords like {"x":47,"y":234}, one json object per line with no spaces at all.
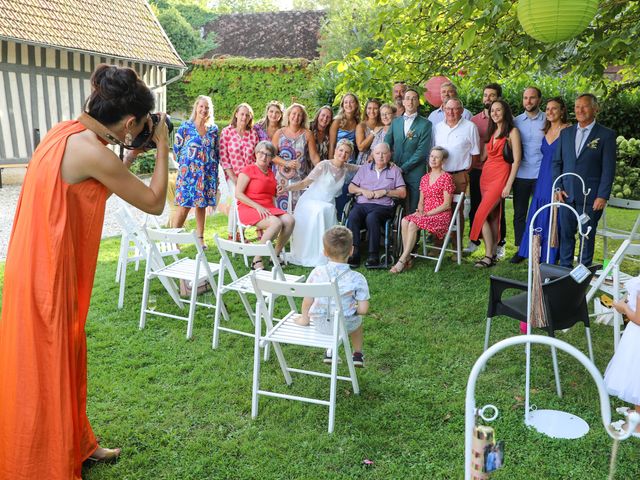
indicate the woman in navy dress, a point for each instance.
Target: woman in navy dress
{"x":557,"y":119}
{"x":197,"y":153}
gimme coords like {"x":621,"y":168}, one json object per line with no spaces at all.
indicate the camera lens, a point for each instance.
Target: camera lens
{"x":143,"y":140}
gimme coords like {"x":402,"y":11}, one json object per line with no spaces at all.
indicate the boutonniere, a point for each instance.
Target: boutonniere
{"x":410,"y":134}
{"x":593,"y":144}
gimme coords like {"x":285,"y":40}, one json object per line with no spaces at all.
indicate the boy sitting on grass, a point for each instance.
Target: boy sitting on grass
{"x":354,"y":291}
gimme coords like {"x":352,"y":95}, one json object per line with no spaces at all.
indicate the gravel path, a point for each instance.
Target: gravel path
{"x":9,"y":199}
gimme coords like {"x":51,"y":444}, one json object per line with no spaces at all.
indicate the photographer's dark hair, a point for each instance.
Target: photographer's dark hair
{"x":116,"y":92}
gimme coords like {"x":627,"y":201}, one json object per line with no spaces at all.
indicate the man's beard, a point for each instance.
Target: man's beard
{"x":531,"y":108}
{"x":487,"y":105}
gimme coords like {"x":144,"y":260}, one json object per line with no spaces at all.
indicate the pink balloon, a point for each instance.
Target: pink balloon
{"x":432,"y":90}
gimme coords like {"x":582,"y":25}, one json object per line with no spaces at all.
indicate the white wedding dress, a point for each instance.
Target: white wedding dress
{"x":315,"y":213}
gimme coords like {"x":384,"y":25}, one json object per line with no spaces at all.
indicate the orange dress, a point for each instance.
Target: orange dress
{"x":51,"y":262}
{"x":495,"y":174}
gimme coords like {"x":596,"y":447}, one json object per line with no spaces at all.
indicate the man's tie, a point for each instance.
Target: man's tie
{"x":580,"y":139}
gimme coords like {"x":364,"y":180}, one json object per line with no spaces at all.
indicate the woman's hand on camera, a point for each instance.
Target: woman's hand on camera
{"x":161,"y":132}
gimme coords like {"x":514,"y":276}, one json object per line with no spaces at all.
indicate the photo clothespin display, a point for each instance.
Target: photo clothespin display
{"x":488,"y":455}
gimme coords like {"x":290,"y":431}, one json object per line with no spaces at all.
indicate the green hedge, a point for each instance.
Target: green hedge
{"x":627,"y":181}
{"x":230,"y":81}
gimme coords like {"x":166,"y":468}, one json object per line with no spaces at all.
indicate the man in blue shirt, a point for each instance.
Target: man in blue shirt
{"x":530,"y":124}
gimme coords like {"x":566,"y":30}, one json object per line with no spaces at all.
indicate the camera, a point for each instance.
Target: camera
{"x":145,"y":139}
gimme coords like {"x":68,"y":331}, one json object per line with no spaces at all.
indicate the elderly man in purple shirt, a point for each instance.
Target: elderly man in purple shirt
{"x":376,"y":186}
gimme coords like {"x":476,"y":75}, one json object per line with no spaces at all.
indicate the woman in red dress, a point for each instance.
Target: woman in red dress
{"x":434,"y":208}
{"x":255,"y":192}
{"x":496,"y":179}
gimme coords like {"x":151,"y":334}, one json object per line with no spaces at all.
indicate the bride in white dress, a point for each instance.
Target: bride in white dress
{"x":315,"y":212}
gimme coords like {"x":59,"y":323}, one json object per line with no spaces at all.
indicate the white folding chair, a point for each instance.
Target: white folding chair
{"x":194,"y":271}
{"x":286,"y":331}
{"x":607,"y":232}
{"x":455,"y":225}
{"x":241,"y":284}
{"x":611,"y":280}
{"x":134,"y":245}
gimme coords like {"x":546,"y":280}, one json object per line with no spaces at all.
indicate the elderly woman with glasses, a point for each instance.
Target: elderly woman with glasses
{"x":255,"y":192}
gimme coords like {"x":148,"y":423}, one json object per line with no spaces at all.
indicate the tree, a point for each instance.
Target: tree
{"x":182,"y":21}
{"x":195,"y":12}
{"x":483,"y":37}
{"x":184,"y":37}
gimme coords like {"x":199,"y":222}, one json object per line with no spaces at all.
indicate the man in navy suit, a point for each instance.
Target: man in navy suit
{"x":589,"y":150}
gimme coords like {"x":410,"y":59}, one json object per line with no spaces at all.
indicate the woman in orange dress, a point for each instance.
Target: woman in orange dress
{"x":51,"y":262}
{"x":496,"y":179}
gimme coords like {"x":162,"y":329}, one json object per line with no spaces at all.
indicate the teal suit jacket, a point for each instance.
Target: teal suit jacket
{"x":410,"y":152}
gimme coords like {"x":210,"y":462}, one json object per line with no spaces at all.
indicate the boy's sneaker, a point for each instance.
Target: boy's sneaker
{"x":358,"y":359}
{"x":328,"y":356}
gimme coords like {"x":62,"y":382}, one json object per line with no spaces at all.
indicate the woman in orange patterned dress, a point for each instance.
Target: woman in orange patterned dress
{"x":49,"y":272}
{"x":496,"y":180}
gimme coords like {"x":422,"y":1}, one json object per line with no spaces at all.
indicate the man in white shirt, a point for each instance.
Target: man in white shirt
{"x":460,"y":138}
{"x":447,"y":90}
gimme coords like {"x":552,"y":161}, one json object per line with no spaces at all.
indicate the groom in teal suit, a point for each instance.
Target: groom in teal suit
{"x":410,"y":138}
{"x":589,"y":150}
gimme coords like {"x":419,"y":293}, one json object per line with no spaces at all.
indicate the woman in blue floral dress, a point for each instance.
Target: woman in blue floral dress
{"x":197,"y":152}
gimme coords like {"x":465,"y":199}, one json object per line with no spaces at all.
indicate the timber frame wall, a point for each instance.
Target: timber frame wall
{"x":41,"y":86}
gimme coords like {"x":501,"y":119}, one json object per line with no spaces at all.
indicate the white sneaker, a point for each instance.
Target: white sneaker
{"x":470,"y":248}
{"x":500,"y":252}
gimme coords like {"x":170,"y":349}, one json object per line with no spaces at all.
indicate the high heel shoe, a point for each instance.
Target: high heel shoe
{"x":104,"y":455}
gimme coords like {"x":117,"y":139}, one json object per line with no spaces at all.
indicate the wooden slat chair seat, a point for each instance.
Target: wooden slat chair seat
{"x":241,"y":284}
{"x":193,"y":271}
{"x":134,"y":244}
{"x":286,"y":331}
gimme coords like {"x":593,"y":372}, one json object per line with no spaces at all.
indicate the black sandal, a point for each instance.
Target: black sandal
{"x":483,"y":262}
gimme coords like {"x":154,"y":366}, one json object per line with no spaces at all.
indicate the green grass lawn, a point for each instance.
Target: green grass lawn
{"x":181,"y":410}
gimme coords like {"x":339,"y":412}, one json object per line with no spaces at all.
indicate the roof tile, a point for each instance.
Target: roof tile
{"x":95,"y":26}
{"x":288,"y":34}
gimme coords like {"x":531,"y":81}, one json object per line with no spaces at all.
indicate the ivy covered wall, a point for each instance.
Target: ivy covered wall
{"x":230,"y":81}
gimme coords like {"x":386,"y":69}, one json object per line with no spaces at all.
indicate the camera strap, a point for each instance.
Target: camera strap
{"x":101,"y":131}
{"x":104,"y":133}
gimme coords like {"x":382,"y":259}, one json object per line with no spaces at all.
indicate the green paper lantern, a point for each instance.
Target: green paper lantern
{"x":552,"y":21}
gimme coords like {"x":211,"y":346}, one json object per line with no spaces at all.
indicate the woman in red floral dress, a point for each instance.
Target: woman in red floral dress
{"x":434,"y":208}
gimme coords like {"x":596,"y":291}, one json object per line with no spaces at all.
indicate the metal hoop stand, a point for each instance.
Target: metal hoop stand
{"x":554,"y":423}
{"x":471,"y":411}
